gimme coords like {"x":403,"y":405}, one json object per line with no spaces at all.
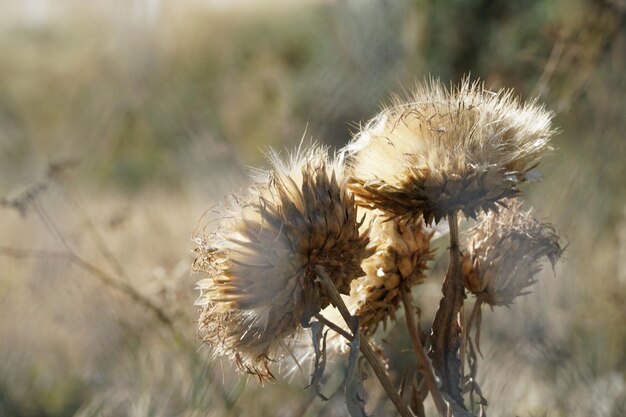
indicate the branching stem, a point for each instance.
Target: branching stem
{"x":418,"y":348}
{"x":446,"y":334}
{"x":101,"y":276}
{"x":365,"y":347}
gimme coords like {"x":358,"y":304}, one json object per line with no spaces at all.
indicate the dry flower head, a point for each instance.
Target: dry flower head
{"x":399,"y":263}
{"x":444,"y":151}
{"x":504,"y":253}
{"x":261,"y":260}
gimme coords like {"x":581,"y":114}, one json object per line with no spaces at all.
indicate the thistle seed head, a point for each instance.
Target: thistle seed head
{"x":261,"y":260}
{"x":444,"y":151}
{"x":504,"y":252}
{"x":403,"y":250}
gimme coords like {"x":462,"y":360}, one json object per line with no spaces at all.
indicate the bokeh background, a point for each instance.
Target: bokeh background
{"x":122,"y":122}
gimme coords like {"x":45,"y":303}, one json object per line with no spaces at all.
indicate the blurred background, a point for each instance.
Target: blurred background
{"x":122,"y":122}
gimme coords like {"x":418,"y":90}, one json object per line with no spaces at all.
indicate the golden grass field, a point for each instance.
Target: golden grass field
{"x":122,"y":123}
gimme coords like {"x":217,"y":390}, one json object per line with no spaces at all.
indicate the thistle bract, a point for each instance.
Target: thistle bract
{"x":399,"y":263}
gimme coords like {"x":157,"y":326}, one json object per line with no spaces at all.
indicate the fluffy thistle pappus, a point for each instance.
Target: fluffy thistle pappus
{"x":504,"y":253}
{"x":444,"y":151}
{"x":260,"y":262}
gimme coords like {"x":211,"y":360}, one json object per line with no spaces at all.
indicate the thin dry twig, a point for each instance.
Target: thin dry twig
{"x":364,"y":346}
{"x":31,"y":199}
{"x":333,"y":326}
{"x":72,"y":195}
{"x":98,"y":274}
{"x":550,"y":68}
{"x":423,"y":361}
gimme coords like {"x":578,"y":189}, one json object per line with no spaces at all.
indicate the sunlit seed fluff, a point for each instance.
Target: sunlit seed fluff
{"x":403,"y":251}
{"x":504,"y":253}
{"x":444,"y":151}
{"x":261,"y":260}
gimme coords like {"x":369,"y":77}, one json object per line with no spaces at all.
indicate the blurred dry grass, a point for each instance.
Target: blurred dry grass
{"x":164,"y":106}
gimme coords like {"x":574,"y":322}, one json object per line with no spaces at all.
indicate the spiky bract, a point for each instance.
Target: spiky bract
{"x":504,"y":253}
{"x":403,"y":249}
{"x":444,"y":151}
{"x":260,"y":262}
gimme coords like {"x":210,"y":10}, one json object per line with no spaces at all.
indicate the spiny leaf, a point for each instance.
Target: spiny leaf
{"x":418,"y":395}
{"x":458,"y":410}
{"x":355,"y":393}
{"x":472,"y":385}
{"x":446,"y":336}
{"x":320,"y":357}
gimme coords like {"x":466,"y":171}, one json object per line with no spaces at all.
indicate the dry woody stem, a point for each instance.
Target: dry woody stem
{"x":446,"y":334}
{"x":424,"y":363}
{"x":365,"y":347}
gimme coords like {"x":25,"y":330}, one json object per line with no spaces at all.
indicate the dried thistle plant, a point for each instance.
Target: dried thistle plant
{"x":439,"y":153}
{"x":443,"y":151}
{"x":261,"y":261}
{"x":504,"y":252}
{"x":296,"y":243}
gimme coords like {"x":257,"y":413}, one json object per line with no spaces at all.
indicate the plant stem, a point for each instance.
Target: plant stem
{"x":463,"y":350}
{"x":365,"y":347}
{"x":333,"y":327}
{"x":335,"y":297}
{"x":424,"y":363}
{"x":446,"y":333}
